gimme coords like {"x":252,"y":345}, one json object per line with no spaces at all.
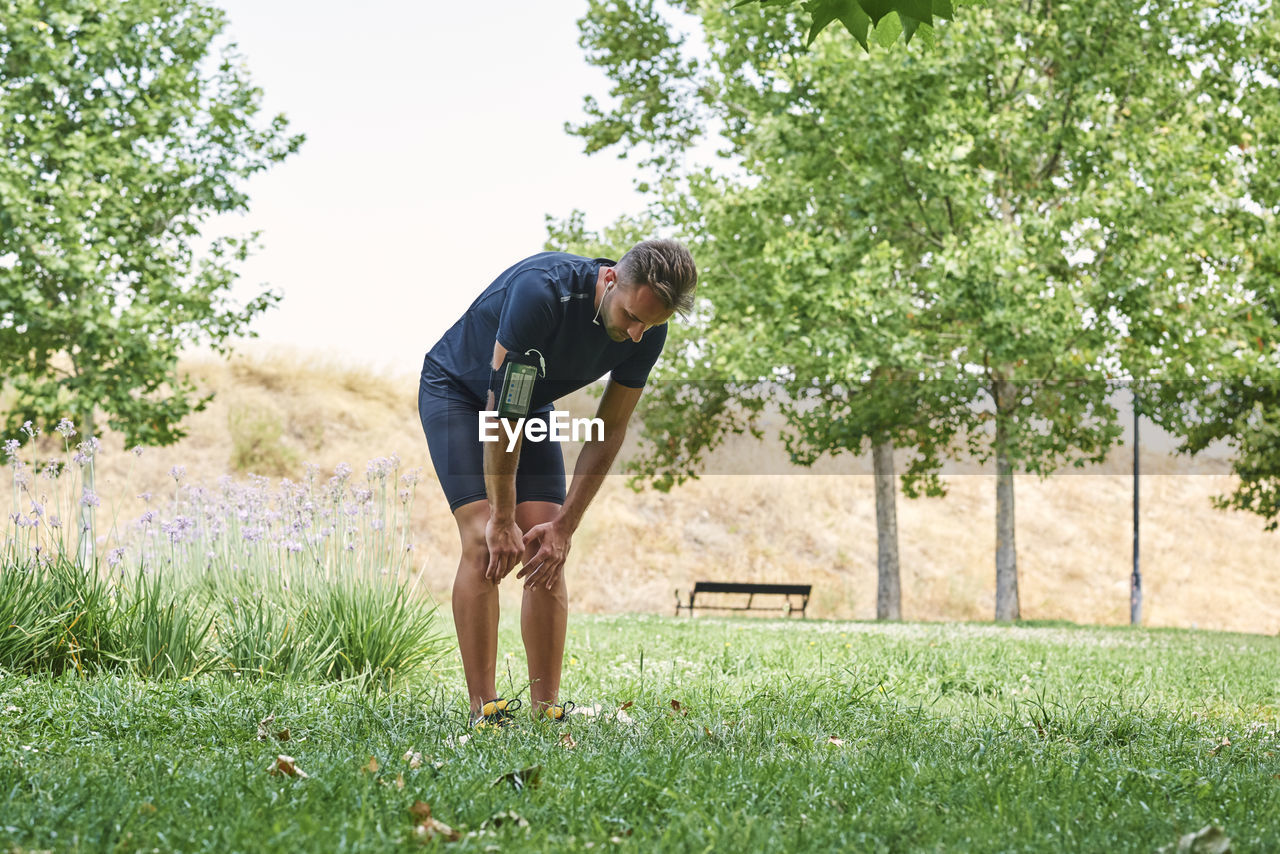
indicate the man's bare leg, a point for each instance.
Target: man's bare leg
{"x":475,"y":606}
{"x":544,"y":614}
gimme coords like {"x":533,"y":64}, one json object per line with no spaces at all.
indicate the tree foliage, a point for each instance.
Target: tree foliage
{"x":1011,"y":242}
{"x":124,"y":127}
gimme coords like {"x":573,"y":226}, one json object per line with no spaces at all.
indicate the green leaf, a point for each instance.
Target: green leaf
{"x":888,"y":30}
{"x":847,"y":12}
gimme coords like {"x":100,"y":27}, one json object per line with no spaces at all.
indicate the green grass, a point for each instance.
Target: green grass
{"x":955,"y":738}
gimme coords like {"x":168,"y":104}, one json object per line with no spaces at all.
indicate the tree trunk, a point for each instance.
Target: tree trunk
{"x":85,"y":551}
{"x":1006,"y":551}
{"x":889,"y":584}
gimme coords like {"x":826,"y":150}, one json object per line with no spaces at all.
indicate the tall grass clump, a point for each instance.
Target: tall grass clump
{"x":294,"y":580}
{"x":54,"y":617}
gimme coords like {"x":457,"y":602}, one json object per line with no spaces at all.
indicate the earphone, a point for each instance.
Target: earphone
{"x":596,"y":319}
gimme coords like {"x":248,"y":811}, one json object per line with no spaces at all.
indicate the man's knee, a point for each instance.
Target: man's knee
{"x":471,"y":525}
{"x":474,"y":547}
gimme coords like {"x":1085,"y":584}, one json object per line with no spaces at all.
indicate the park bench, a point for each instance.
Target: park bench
{"x":751,"y":590}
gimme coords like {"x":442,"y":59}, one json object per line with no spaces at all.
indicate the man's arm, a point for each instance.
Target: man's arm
{"x":596,"y":458}
{"x":593,"y":464}
{"x":503,"y":537}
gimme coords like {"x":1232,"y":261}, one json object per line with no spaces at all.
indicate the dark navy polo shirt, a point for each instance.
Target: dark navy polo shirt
{"x":543,"y":306}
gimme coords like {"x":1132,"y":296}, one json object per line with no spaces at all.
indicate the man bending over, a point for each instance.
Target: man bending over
{"x":546,"y":327}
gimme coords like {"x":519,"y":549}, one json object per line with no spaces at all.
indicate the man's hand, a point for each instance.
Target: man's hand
{"x":506,"y":544}
{"x":546,"y":565}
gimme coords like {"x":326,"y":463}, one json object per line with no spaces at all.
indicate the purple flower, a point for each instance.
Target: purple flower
{"x":114,"y":557}
{"x":86,"y":449}
{"x":37,"y":510}
{"x":178,"y":528}
{"x":89,"y":498}
{"x":293,"y":546}
{"x":147,"y":518}
{"x":411,"y":478}
{"x":66,"y":429}
{"x":342,"y":471}
{"x":178,"y":473}
{"x":29,"y":430}
{"x":52,"y":469}
{"x":137,"y":450}
{"x":251,"y":535}
{"x":146,"y":497}
{"x":11,"y":447}
{"x":55,"y":522}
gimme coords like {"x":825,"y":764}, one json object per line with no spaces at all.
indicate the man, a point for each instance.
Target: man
{"x":547,"y":326}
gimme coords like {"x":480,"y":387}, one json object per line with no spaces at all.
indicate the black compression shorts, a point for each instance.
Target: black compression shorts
{"x":450,"y":420}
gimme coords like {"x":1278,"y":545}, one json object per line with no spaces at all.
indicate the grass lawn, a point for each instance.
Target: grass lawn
{"x":800,"y":735}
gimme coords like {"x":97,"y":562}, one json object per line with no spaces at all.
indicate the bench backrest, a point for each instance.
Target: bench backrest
{"x":734,"y":587}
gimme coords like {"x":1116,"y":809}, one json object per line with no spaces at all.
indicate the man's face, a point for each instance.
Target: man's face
{"x":629,"y":310}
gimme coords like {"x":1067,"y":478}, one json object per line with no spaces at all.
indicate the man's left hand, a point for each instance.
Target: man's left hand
{"x":547,"y":564}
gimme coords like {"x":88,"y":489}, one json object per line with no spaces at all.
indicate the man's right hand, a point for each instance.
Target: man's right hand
{"x":506,"y":546}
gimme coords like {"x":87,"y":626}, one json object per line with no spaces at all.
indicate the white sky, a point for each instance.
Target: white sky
{"x":435,"y":146}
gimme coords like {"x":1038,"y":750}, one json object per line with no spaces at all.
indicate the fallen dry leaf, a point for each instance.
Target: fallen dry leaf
{"x":283,"y":735}
{"x":567,"y":742}
{"x":623,"y":717}
{"x":530,"y":778}
{"x":1226,"y":742}
{"x":264,"y":731}
{"x":431,"y":828}
{"x":147,"y":808}
{"x":413,"y":757}
{"x":1210,"y":839}
{"x":287,"y":766}
{"x":428,"y":828}
{"x":679,"y":709}
{"x":628,"y":704}
{"x":835,"y":741}
{"x":399,"y":781}
{"x":370,"y":767}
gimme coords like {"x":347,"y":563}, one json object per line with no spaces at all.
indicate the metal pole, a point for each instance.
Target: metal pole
{"x":1135,"y":581}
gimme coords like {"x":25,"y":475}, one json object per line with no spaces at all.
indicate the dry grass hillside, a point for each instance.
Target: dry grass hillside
{"x":275,"y":411}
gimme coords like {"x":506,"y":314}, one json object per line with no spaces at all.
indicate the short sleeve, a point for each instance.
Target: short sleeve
{"x":633,"y":372}
{"x":529,"y":312}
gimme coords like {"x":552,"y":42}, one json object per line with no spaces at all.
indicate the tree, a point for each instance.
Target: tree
{"x":124,"y":127}
{"x":1012,"y":203}
{"x":1208,"y":370}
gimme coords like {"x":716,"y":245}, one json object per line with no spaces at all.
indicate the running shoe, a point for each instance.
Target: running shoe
{"x":560,"y":712}
{"x":495,"y":713}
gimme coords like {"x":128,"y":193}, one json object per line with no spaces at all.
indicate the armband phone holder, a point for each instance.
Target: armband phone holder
{"x":516,"y":389}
